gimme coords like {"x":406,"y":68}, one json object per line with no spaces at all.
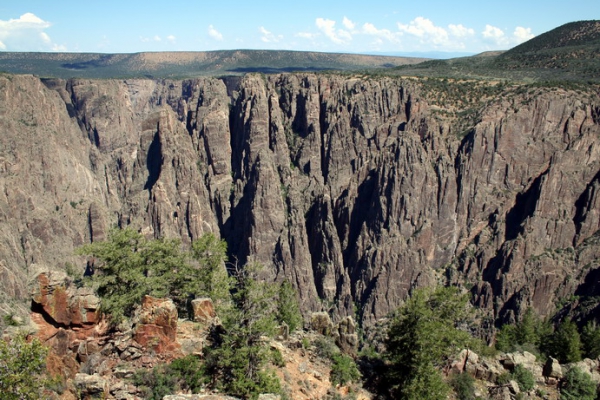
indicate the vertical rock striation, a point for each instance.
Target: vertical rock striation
{"x":357,"y":190}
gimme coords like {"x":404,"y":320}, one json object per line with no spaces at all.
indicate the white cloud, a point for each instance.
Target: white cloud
{"x":495,"y":36}
{"x":370,"y":29}
{"x":45,"y":38}
{"x":460,"y":31}
{"x":215,"y":34}
{"x":491,"y":32}
{"x":306,"y":35}
{"x":327,"y":27}
{"x":269,"y":37}
{"x":348,"y":24}
{"x":26,"y":33}
{"x":171,"y":38}
{"x":420,"y":34}
{"x":430,"y":36}
{"x":521,"y":34}
{"x":424,"y":29}
{"x":155,"y":38}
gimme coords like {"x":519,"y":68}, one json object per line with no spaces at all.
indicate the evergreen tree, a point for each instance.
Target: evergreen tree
{"x":506,"y":337}
{"x":343,"y":369}
{"x":288,"y":310}
{"x":22,"y":366}
{"x":131,"y":266}
{"x":565,"y":343}
{"x":421,"y":338}
{"x":590,"y":338}
{"x":211,"y":276}
{"x":527,"y":331}
{"x":236,"y":361}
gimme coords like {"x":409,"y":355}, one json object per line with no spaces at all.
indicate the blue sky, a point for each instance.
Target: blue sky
{"x":349,"y":26}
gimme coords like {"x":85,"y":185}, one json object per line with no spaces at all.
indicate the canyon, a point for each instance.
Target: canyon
{"x":355,"y":188}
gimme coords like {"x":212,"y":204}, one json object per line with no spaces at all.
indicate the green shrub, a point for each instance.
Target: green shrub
{"x":521,"y":375}
{"x":325,"y":347}
{"x":524,"y":378}
{"x":277,"y":358}
{"x":343,"y":370}
{"x":188,"y":371}
{"x":183,"y":374}
{"x":156,"y":383}
{"x":288,"y":310}
{"x":503,"y":378}
{"x":577,"y":386}
{"x":464,"y":386}
{"x":590,"y":339}
{"x":305,"y":343}
{"x":11,"y":319}
{"x":22,"y":367}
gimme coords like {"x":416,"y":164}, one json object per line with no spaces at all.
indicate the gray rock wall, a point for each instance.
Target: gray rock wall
{"x":356,"y":190}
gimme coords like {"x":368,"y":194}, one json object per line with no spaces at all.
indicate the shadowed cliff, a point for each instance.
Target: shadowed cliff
{"x":356,"y":189}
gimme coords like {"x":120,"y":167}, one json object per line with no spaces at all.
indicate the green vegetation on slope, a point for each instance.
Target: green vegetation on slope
{"x":22,"y":367}
{"x":422,"y":336}
{"x":131,"y":266}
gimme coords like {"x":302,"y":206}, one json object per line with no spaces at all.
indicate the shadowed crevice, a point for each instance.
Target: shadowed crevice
{"x":154,"y":161}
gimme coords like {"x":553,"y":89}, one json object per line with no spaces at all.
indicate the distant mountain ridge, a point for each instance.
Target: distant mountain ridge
{"x":572,"y":34}
{"x":190,"y":64}
{"x":570,"y":52}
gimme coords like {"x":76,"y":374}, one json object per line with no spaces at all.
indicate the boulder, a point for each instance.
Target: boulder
{"x":346,"y":337}
{"x":157,"y":325}
{"x":511,"y":360}
{"x":269,"y":397}
{"x":591,"y":367}
{"x":190,"y":337}
{"x":466,"y":360}
{"x":203,"y":309}
{"x":91,"y":386}
{"x":553,"y":369}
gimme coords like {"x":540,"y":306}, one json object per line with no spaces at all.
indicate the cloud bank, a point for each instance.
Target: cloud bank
{"x":420,"y":34}
{"x":27,"y":33}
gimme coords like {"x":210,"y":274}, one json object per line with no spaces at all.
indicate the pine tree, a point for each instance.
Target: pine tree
{"x":421,"y":338}
{"x":288,"y":310}
{"x":131,"y":266}
{"x":590,"y":338}
{"x":211,"y":276}
{"x":237,"y":359}
{"x":565,"y":343}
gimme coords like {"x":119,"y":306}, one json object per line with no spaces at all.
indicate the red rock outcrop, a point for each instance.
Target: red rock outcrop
{"x":156,"y":326}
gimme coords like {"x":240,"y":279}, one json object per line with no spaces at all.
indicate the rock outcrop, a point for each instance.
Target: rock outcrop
{"x":356,"y":190}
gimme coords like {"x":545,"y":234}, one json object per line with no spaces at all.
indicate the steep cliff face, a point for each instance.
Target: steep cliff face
{"x":357,"y":190}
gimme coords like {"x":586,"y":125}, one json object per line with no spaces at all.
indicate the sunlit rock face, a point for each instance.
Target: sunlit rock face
{"x":356,"y":189}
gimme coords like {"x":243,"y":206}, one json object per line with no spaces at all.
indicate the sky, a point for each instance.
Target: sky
{"x":369,"y":26}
